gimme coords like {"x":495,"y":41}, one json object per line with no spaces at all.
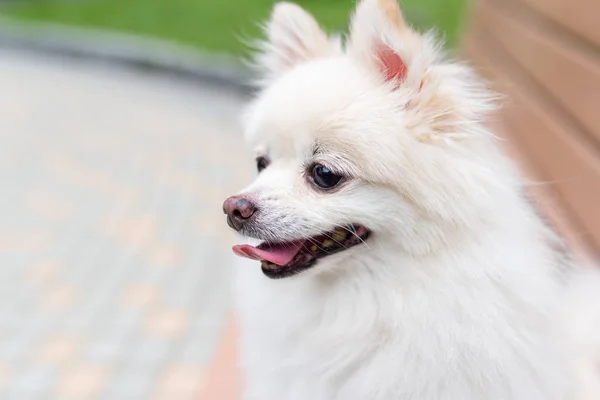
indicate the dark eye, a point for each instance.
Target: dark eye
{"x":324,"y":177}
{"x":261,"y":163}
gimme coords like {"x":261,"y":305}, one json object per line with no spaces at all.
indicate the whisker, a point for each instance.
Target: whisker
{"x":318,"y":245}
{"x":359,"y":238}
{"x":327,"y":235}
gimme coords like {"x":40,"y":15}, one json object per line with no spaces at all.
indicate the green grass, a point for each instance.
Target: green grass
{"x":217,"y":25}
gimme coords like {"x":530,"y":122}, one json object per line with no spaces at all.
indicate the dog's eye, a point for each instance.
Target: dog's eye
{"x":261,"y":163}
{"x":324,"y":178}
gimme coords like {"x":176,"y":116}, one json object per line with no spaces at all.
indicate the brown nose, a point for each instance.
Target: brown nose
{"x":239,"y":209}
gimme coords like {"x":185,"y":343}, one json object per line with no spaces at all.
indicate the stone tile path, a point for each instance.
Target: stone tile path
{"x":114,"y":254}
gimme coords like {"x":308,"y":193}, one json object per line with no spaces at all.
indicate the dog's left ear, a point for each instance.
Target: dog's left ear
{"x":382,"y":40}
{"x":293,"y":37}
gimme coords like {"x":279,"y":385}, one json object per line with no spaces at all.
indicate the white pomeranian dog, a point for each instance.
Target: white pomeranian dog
{"x":401,"y":258}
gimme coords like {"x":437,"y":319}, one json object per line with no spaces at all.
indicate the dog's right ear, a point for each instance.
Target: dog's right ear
{"x":293,"y":37}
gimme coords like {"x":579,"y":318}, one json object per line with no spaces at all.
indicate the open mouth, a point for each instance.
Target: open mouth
{"x":281,"y":260}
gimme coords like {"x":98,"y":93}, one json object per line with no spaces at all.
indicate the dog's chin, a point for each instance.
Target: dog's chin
{"x":285,"y":259}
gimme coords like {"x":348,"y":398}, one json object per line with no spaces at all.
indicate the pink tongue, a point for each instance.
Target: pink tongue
{"x":280,"y":254}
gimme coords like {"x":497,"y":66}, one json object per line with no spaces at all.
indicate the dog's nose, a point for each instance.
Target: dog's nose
{"x":239,"y":209}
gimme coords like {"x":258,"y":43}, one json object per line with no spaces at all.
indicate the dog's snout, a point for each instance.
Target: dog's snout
{"x":239,"y":210}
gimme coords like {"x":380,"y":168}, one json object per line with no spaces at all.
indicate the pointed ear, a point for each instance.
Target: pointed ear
{"x":293,"y":37}
{"x":381,"y":39}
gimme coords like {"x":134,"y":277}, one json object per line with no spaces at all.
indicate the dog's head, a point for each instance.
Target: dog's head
{"x":373,"y":144}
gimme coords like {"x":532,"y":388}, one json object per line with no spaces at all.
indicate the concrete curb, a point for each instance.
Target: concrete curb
{"x":127,"y":50}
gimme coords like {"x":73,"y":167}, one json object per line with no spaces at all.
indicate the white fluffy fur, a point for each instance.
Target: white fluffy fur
{"x":456,"y":295}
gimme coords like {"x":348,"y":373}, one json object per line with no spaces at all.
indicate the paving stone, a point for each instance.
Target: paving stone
{"x":115,"y":256}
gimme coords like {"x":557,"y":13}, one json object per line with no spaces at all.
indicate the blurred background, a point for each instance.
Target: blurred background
{"x":119,"y":140}
{"x":217,"y":25}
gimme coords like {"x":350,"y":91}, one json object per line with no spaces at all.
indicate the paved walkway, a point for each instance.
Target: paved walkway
{"x":114,"y":255}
